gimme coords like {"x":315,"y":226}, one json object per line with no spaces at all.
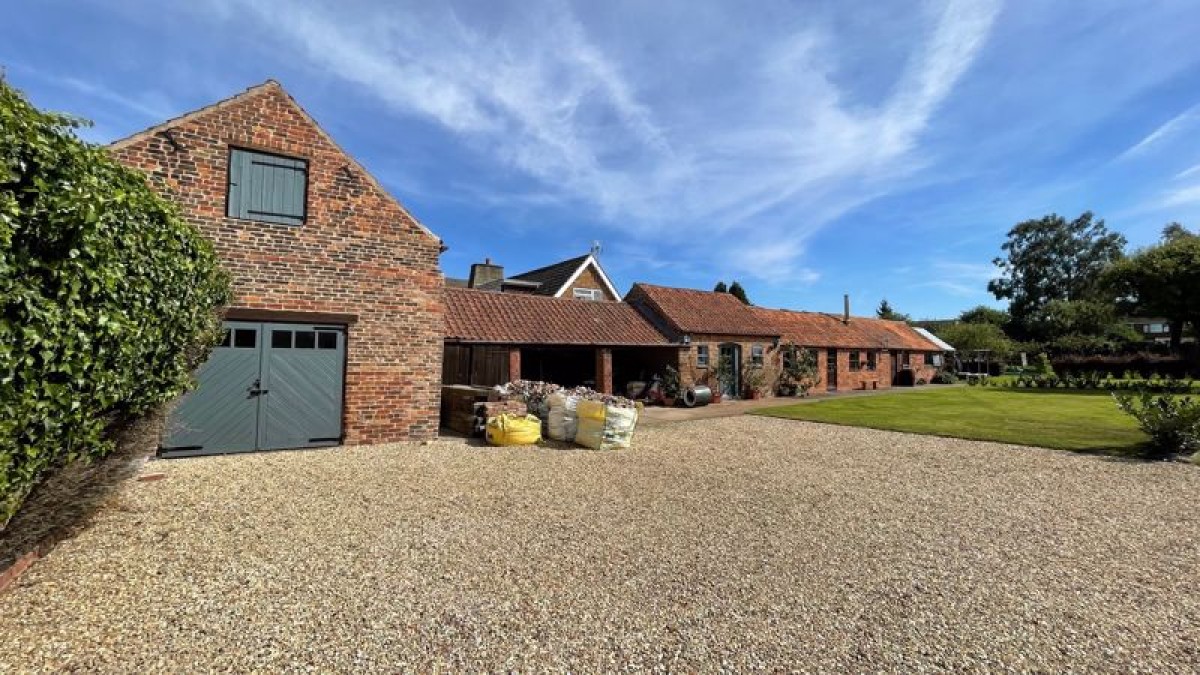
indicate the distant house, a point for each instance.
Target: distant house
{"x":1156,"y":330}
{"x":581,"y":278}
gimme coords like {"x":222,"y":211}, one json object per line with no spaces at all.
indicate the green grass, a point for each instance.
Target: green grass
{"x":1085,"y":421}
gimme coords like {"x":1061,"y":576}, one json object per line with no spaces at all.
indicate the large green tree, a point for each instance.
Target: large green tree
{"x":1050,"y":259}
{"x":720,"y":287}
{"x":1163,"y":280}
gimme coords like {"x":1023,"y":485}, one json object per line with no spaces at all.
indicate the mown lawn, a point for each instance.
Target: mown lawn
{"x":1086,"y":421}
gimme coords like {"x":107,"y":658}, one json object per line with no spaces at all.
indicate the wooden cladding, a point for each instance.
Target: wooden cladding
{"x":478,"y":365}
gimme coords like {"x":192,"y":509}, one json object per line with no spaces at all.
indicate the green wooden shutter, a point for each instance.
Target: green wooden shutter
{"x":267,"y":187}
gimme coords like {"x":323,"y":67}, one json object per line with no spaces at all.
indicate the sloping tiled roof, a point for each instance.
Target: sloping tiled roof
{"x":515,"y":318}
{"x":687,"y":310}
{"x":817,"y":329}
{"x":552,"y":277}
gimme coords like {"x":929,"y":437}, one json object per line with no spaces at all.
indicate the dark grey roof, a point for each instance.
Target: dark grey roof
{"x":552,"y":277}
{"x":510,"y":282}
{"x":453,"y":282}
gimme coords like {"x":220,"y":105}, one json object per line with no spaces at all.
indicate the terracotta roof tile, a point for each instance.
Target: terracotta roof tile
{"x":816,"y":329}
{"x":687,"y":310}
{"x":514,"y":318}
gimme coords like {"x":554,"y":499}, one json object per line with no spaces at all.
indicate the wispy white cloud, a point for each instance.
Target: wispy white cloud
{"x":1190,"y":171}
{"x":966,"y":271}
{"x":791,"y":156}
{"x":150,"y":105}
{"x":955,"y":288}
{"x":1172,"y":127}
{"x":1180,"y":196}
{"x":960,"y":279}
{"x":1166,"y":202}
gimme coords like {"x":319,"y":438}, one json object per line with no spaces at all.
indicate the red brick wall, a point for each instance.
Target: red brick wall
{"x":358,"y":253}
{"x":847,"y":379}
{"x":690,"y":373}
{"x":880,"y":378}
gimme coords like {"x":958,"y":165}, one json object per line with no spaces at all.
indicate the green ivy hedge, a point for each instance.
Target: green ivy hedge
{"x":109,"y":298}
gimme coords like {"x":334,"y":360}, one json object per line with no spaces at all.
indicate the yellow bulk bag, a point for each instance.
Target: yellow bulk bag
{"x":589,"y":431}
{"x":604,"y":427}
{"x":509,"y":429}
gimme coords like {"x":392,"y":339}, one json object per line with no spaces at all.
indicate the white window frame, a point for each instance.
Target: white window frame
{"x":701,"y":356}
{"x":588,"y":293}
{"x":757,"y":354}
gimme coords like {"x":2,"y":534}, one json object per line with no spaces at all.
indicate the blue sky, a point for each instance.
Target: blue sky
{"x":808,"y":149}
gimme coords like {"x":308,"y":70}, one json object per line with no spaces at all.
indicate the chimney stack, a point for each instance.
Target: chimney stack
{"x":846,"y":308}
{"x":484,"y":273}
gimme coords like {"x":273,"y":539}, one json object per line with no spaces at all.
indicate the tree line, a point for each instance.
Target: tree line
{"x":1070,"y":285}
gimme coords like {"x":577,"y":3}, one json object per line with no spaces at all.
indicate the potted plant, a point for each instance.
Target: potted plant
{"x":670,"y":387}
{"x":754,"y":379}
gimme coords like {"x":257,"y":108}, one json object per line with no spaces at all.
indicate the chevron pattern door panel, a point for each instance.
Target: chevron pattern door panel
{"x":265,"y":387}
{"x":302,"y":371}
{"x":221,"y":413}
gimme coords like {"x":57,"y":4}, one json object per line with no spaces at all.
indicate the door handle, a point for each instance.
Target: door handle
{"x":256,"y":389}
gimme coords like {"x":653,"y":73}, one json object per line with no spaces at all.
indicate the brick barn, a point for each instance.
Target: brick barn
{"x":335,"y":333}
{"x":709,"y":325}
{"x":852,"y":352}
{"x":858,"y":352}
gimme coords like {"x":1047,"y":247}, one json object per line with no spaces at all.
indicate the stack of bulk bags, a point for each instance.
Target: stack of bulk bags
{"x":562,"y":423}
{"x":605,"y":427}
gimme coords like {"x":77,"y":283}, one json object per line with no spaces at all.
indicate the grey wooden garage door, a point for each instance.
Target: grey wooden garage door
{"x":266,"y":386}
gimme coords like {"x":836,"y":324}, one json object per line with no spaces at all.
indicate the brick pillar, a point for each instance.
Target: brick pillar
{"x":604,"y":378}
{"x":514,"y":363}
{"x":687,"y":373}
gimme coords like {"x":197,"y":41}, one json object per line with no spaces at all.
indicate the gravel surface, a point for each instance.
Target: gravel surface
{"x":738,"y":542}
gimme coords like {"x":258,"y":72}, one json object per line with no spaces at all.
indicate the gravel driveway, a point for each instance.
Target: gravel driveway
{"x":736,"y":542}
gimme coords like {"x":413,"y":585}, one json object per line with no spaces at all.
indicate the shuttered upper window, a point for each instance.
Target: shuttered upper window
{"x":266,"y":187}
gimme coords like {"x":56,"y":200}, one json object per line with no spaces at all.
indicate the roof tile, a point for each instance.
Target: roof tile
{"x":514,"y":318}
{"x":688,"y":310}
{"x":817,"y":329}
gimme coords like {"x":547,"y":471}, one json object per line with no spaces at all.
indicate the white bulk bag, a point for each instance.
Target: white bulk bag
{"x":563,"y":423}
{"x":619,"y":424}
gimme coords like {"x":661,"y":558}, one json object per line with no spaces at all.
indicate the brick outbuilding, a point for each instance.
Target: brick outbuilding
{"x":852,"y":352}
{"x":335,"y":333}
